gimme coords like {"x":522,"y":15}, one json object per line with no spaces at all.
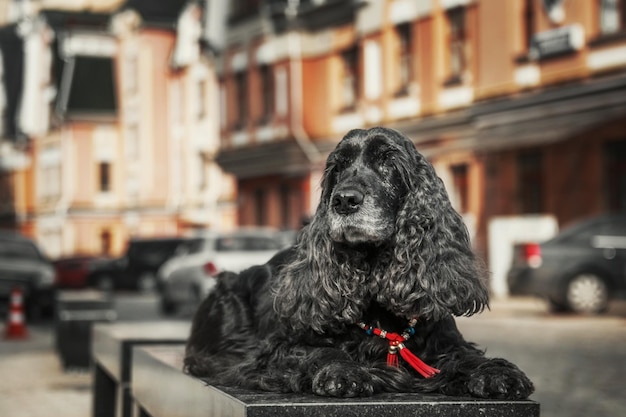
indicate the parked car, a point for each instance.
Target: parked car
{"x":580,"y":269}
{"x":186,"y":279}
{"x":23,"y":265}
{"x":137,"y":268}
{"x":74,"y":271}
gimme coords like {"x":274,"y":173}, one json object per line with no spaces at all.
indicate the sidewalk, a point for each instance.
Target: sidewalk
{"x":33,"y":382}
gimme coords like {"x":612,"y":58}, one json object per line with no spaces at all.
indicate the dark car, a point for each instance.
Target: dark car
{"x":74,"y":271}
{"x":137,"y":268}
{"x":23,"y":265}
{"x":579,"y":270}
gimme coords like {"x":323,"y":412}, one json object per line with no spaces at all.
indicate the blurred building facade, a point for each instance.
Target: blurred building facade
{"x":519,"y":104}
{"x":109,"y":130}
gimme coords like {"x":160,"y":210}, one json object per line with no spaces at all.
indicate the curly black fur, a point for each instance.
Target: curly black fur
{"x":384,"y":245}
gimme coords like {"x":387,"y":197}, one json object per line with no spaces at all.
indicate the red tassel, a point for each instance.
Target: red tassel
{"x":425,"y":370}
{"x":392,"y":356}
{"x":395,"y":345}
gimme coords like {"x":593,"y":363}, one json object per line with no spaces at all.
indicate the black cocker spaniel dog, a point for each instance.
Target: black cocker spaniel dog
{"x":364,"y":301}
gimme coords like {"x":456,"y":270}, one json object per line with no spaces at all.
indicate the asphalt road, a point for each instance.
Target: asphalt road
{"x":578,"y":364}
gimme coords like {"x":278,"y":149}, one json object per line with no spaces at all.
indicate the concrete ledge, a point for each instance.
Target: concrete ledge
{"x":112,"y":356}
{"x":76,"y":313}
{"x":160,"y":389}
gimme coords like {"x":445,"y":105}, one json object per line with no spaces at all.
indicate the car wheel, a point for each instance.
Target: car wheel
{"x":587,"y":293}
{"x":105,"y":283}
{"x":146,"y":282}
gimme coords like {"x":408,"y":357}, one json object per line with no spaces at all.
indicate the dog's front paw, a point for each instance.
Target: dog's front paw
{"x":343,"y":380}
{"x":500,"y":379}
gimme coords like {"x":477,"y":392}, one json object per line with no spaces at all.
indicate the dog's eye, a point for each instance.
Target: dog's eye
{"x":388,"y":158}
{"x":341,"y":162}
{"x":386,"y":162}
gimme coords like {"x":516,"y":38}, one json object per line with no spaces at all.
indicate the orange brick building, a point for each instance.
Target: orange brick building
{"x":519,"y":104}
{"x":117,"y":131}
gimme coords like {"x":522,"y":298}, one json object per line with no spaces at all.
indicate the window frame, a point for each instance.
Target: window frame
{"x":266,"y":77}
{"x":241,"y":99}
{"x":620,"y":11}
{"x":349,"y":79}
{"x":457,"y":44}
{"x":460,"y":179}
{"x":404,"y":32}
{"x":530,"y":182}
{"x":615,"y":175}
{"x":105,"y":183}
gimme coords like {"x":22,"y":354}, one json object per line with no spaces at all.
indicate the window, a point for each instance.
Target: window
{"x":612,"y":16}
{"x":457,"y":44}
{"x":201,"y":98}
{"x":246,"y":243}
{"x":105,"y":242}
{"x":530,"y":179}
{"x":615,"y":175}
{"x":88,"y":87}
{"x":241,"y":85}
{"x":49,"y":175}
{"x":280,"y":94}
{"x":4,"y":100}
{"x":6,"y":190}
{"x":260,"y":206}
{"x":243,"y":8}
{"x":529,"y":24}
{"x":223,"y":113}
{"x":11,"y":248}
{"x":50,"y":181}
{"x":285,"y":206}
{"x":461,"y":187}
{"x":350,"y":82}
{"x":202,"y":174}
{"x":405,"y":45}
{"x":267,"y":93}
{"x":104,"y":175}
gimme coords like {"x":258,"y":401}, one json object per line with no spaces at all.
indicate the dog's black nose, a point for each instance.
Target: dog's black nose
{"x":348,"y":201}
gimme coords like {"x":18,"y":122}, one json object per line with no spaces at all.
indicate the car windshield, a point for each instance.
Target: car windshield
{"x":190,"y":247}
{"x":246,"y":243}
{"x":10,"y":249}
{"x":583,"y":232}
{"x":153,"y":252}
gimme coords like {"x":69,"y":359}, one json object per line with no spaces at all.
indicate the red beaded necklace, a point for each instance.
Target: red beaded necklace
{"x":396,"y":346}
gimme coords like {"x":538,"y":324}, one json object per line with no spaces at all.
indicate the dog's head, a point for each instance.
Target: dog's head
{"x":384,"y":232}
{"x":364,"y":185}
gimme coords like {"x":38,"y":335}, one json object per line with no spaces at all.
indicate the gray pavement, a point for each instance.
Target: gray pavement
{"x":34,"y":384}
{"x":577,"y":363}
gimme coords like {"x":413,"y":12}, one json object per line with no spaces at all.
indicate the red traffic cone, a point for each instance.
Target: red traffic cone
{"x":16,"y":326}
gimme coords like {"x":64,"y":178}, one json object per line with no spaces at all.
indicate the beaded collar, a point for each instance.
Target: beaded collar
{"x":396,"y":346}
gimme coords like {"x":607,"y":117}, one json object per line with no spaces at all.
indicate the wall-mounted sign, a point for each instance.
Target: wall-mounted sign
{"x":557,"y":41}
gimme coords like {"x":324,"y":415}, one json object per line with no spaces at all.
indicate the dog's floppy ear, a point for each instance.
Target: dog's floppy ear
{"x":313,"y":291}
{"x":321,"y":288}
{"x":432,"y":250}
